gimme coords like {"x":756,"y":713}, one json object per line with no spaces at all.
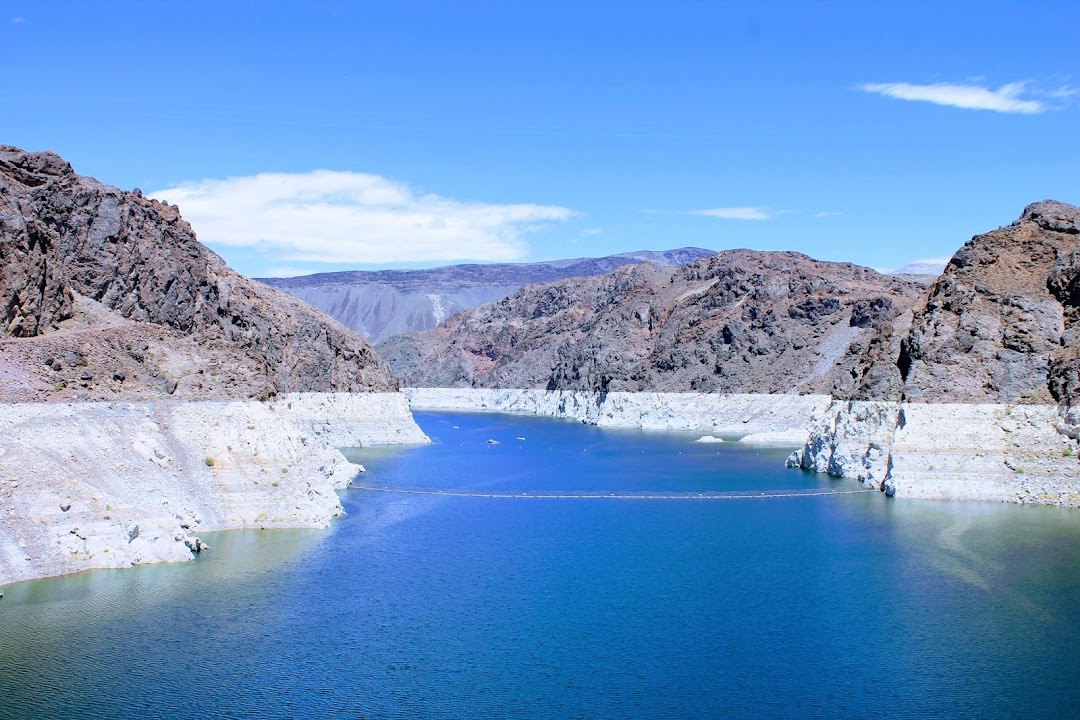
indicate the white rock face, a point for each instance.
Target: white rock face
{"x":353,"y":419}
{"x":93,"y":485}
{"x":760,"y":418}
{"x":959,"y":452}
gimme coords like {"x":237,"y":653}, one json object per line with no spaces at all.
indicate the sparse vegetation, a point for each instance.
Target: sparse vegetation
{"x":274,"y":484}
{"x":1067,"y":452}
{"x":209,"y":461}
{"x":284,"y":471}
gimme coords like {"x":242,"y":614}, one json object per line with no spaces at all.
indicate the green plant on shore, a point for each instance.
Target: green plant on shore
{"x":1067,"y":452}
{"x":274,"y":484}
{"x":209,"y":461}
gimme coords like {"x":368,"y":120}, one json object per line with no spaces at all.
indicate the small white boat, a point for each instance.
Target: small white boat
{"x":493,"y":442}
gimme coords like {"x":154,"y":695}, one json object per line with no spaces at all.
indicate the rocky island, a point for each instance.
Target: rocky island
{"x":149,"y":393}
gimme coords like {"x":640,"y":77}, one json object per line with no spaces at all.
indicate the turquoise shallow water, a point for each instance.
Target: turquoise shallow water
{"x":471,"y":607}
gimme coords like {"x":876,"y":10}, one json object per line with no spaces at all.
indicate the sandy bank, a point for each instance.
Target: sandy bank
{"x":96,"y":485}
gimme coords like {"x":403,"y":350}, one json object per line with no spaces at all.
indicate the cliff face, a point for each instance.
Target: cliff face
{"x":983,"y":400}
{"x":1001,"y":323}
{"x":737,"y":322}
{"x":145,"y":279}
{"x":384,"y":303}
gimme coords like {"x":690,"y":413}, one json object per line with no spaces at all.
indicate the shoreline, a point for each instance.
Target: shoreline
{"x":1023,"y":454}
{"x":114,"y":484}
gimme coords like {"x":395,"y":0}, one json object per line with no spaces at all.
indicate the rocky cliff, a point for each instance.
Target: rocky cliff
{"x":389,"y":302}
{"x":999,"y":325}
{"x":148,"y":308}
{"x":108,"y":296}
{"x":982,"y":400}
{"x":737,"y":322}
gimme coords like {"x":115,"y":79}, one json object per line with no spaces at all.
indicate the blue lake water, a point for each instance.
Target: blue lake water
{"x":420,"y":606}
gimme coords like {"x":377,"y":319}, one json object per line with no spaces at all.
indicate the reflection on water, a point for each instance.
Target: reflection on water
{"x":420,"y":606}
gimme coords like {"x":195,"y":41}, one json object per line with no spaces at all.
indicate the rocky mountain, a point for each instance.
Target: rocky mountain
{"x":107,"y":294}
{"x":922,"y":273}
{"x":736,"y":322}
{"x":389,"y":302}
{"x":1002,"y":323}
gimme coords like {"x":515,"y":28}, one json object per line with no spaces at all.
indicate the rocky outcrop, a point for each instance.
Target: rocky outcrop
{"x":109,"y":299}
{"x":93,"y":484}
{"x":62,"y":234}
{"x":738,"y":322}
{"x":1003,"y":453}
{"x":992,"y":329}
{"x":982,"y":400}
{"x":383,"y":303}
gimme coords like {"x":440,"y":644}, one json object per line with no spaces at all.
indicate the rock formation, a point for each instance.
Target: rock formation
{"x":108,"y":296}
{"x":737,"y":322}
{"x":149,"y":286}
{"x":383,"y":303}
{"x":982,"y":400}
{"x":991,"y":328}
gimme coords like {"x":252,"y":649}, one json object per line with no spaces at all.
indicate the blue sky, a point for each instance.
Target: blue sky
{"x":334,"y":135}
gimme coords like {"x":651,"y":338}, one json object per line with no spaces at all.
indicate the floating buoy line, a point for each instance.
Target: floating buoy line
{"x":596,"y":495}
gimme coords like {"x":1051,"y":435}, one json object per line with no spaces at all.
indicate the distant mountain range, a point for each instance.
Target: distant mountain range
{"x":739,"y":321}
{"x":1001,"y":324}
{"x":920,"y":268}
{"x":379,"y":304}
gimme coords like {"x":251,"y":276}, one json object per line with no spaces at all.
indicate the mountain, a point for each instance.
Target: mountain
{"x":920,"y":269}
{"x":107,"y":294}
{"x":923,"y":273}
{"x":383,"y":303}
{"x":1002,"y":323}
{"x":737,"y":322}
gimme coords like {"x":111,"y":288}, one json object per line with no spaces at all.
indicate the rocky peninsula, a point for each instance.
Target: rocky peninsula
{"x":148,"y":393}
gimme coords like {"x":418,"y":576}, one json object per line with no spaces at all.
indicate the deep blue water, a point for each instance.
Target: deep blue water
{"x":417,"y":606}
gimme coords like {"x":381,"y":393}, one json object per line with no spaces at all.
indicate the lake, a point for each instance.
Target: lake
{"x":430,"y":606}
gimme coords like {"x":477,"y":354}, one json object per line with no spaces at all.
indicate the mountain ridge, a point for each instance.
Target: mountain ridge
{"x":158,"y":311}
{"x":382,"y":303}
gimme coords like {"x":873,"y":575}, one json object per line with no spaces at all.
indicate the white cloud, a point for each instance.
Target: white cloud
{"x":346,"y":217}
{"x":738,"y":213}
{"x":1006,"y":99}
{"x":1061,"y":93}
{"x":592,"y":231}
{"x":18,"y":20}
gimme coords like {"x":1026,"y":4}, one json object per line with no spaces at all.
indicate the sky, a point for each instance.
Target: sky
{"x":320,"y":136}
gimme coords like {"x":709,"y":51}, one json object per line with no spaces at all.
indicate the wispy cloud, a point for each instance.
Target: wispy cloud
{"x":739,"y":213}
{"x":346,"y":217}
{"x":592,"y":231}
{"x":18,"y":20}
{"x":1011,"y":98}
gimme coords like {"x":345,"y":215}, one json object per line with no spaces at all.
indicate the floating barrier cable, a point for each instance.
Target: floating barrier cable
{"x":597,"y":495}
